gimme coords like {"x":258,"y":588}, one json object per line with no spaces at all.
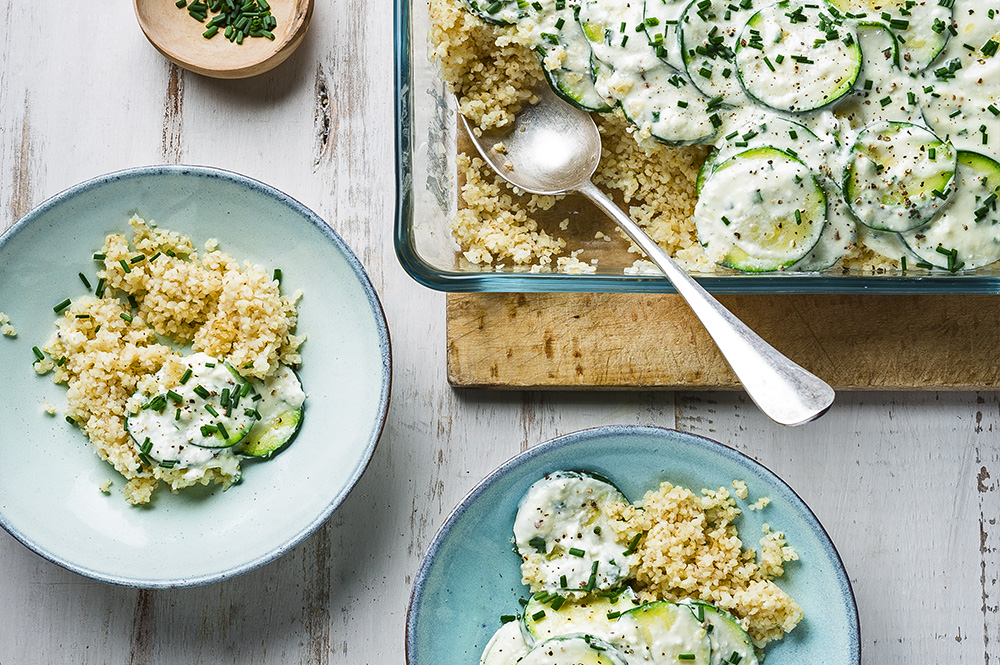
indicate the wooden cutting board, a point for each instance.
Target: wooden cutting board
{"x":855,"y":342}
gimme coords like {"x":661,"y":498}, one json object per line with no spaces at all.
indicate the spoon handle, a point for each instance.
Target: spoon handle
{"x":787,"y":393}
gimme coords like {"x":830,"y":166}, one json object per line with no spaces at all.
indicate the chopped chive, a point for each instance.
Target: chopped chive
{"x":540,"y":614}
{"x":177,"y":415}
{"x":557,"y":603}
{"x":725,"y":220}
{"x":61,"y":306}
{"x":574,"y":551}
{"x":99,"y":257}
{"x":563,"y":583}
{"x":167,"y":463}
{"x":146,"y":446}
{"x":201,"y":392}
{"x":222,"y":430}
{"x":507,"y":618}
{"x":99,"y":291}
{"x":186,"y":375}
{"x":137,"y":259}
{"x":798,"y":217}
{"x":633,"y":544}
{"x":125,"y":316}
{"x":902,"y":263}
{"x":208,"y":430}
{"x":211,"y":409}
{"x":614,"y":615}
{"x":685,"y":656}
{"x":125,"y":266}
{"x":83,"y":278}
{"x":38,"y":353}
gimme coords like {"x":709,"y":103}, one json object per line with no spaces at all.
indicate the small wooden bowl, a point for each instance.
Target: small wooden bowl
{"x":179,"y":38}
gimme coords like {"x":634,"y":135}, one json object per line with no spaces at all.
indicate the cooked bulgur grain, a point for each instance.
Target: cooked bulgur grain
{"x":690,"y":548}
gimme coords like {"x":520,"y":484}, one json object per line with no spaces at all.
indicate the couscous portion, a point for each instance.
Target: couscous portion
{"x":690,"y":548}
{"x":106,"y":348}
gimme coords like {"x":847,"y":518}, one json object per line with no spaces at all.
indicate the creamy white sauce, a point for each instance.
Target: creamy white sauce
{"x":183,"y":434}
{"x":912,"y":69}
{"x":506,"y":646}
{"x":563,"y":514}
{"x":281,"y":392}
{"x":774,"y":224}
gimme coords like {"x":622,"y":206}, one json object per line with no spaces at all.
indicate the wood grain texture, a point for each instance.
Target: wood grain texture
{"x":897,"y":478}
{"x":856,"y":342}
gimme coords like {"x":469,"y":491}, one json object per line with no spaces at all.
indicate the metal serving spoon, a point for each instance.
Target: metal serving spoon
{"x":554,"y":148}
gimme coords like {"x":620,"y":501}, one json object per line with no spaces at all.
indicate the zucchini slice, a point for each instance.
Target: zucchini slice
{"x":707,"y":166}
{"x":839,"y":236}
{"x":966,"y":235}
{"x":796,"y":57}
{"x":660,"y":19}
{"x":760,"y":210}
{"x":883,"y":90}
{"x":921,"y":26}
{"x":663,"y":104}
{"x":192,"y":411}
{"x":546,"y":616}
{"x":959,"y":98}
{"x":565,"y":53}
{"x":565,"y":538}
{"x":707,"y":37}
{"x":730,"y":643}
{"x":898,"y":176}
{"x":280,"y":409}
{"x":573,"y":650}
{"x":505,"y":647}
{"x":664,"y":632}
{"x":654,"y":96}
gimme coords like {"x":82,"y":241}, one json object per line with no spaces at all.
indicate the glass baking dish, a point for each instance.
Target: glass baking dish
{"x":427,"y":139}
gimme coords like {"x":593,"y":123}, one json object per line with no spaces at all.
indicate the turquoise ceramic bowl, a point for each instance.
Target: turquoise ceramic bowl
{"x":49,"y":475}
{"x":470,"y":575}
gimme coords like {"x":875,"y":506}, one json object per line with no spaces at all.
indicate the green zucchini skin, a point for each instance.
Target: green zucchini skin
{"x":270,"y":437}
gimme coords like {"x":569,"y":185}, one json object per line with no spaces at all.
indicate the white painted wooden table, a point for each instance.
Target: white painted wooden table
{"x":906,"y":484}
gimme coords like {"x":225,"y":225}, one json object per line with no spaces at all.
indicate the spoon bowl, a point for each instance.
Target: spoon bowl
{"x":178,"y":37}
{"x":554,"y":148}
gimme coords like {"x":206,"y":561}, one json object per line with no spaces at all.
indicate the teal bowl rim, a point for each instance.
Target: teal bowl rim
{"x":456,"y":281}
{"x":385,"y":348}
{"x":420,"y":581}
